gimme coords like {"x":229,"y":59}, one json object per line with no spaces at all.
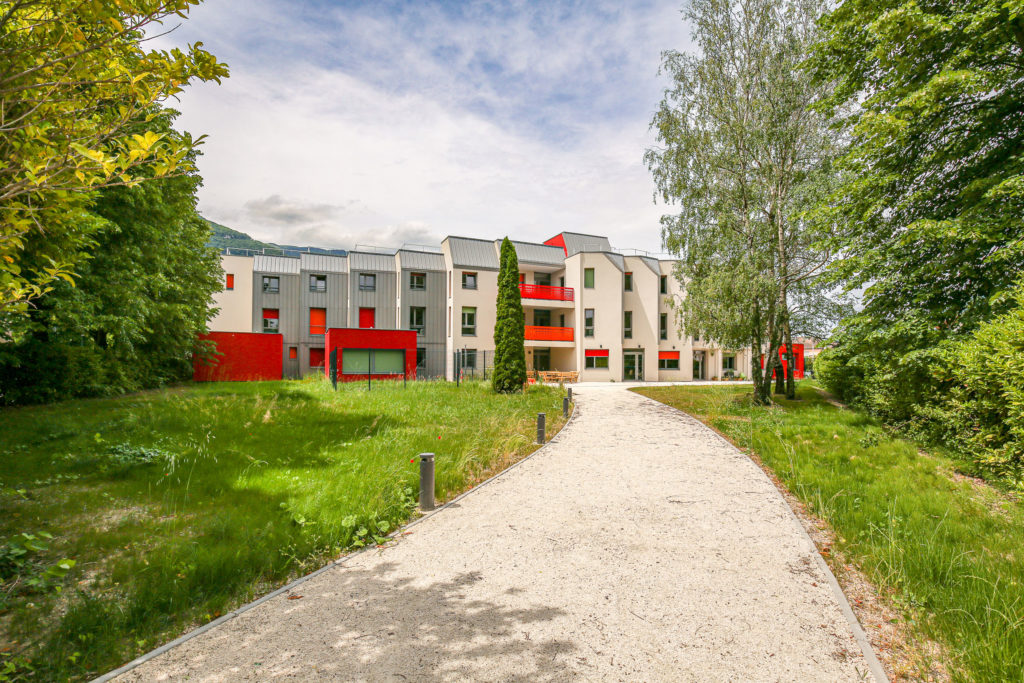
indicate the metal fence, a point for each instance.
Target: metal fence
{"x":472,"y":364}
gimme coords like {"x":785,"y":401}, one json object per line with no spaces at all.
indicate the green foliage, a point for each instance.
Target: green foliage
{"x":132,"y":318}
{"x":509,"y":326}
{"x":77,"y":80}
{"x":223,"y":237}
{"x":944,"y":549}
{"x":179,"y":505}
{"x":929,"y":217}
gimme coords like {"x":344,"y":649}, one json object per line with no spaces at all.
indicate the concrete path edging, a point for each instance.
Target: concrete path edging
{"x":877,"y":670}
{"x":394,"y":535}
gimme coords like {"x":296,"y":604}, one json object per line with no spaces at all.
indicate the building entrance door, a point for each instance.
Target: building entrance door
{"x":633,"y":366}
{"x":698,"y":364}
{"x":542,"y":360}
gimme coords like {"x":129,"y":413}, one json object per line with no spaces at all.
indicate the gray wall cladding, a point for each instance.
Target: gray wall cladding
{"x":433,"y":299}
{"x":289,"y":317}
{"x":473,"y":253}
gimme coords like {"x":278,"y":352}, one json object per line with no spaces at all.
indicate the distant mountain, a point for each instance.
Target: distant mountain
{"x":224,"y":237}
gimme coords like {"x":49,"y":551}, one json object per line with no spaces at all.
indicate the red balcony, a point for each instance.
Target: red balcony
{"x":542,"y":333}
{"x":546,"y":292}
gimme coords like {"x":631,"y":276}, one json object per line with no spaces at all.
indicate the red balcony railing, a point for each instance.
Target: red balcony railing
{"x":546,"y":292}
{"x":543,"y":333}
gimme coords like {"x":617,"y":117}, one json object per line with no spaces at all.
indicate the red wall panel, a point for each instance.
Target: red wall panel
{"x":798,"y":356}
{"x":245,"y":356}
{"x":342,"y":338}
{"x":557,"y":241}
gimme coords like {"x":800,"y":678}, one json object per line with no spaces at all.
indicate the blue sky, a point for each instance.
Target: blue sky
{"x":390,"y":122}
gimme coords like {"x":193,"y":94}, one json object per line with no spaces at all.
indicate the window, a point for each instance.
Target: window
{"x":421,"y":358}
{"x":271,"y":284}
{"x":663,"y":327}
{"x":293,"y":352}
{"x":627,"y":324}
{"x":373,"y":361}
{"x":664,"y":284}
{"x":316,"y":358}
{"x":468,"y":280}
{"x":318,"y":283}
{"x":595,"y":359}
{"x":468,"y":359}
{"x":367,"y":282}
{"x":270,"y":321}
{"x":469,"y":321}
{"x":522,"y":278}
{"x":588,"y":322}
{"x":668,"y":363}
{"x":728,"y":364}
{"x":588,"y":278}
{"x":229,"y":281}
{"x":367,"y":318}
{"x":318,"y":321}
{"x":627,"y":281}
{"x":417,"y":281}
{"x":417,"y":318}
{"x":542,"y":279}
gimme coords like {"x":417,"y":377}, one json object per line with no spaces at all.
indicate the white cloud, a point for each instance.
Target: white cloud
{"x":373,"y":143}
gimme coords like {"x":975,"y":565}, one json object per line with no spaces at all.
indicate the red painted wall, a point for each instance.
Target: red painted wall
{"x":558,"y":241}
{"x":342,"y":338}
{"x":246,"y":356}
{"x":798,"y":356}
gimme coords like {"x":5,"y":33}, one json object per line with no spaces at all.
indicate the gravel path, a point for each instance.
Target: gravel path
{"x":637,"y":546}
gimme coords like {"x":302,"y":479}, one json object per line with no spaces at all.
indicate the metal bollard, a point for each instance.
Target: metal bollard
{"x":426,"y":481}
{"x":540,"y":427}
{"x":570,"y":393}
{"x":565,"y":406}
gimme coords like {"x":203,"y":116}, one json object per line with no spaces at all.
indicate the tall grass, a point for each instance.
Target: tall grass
{"x":948,"y":551}
{"x":180,"y":505}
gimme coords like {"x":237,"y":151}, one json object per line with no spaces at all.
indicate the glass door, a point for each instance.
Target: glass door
{"x":633,"y":366}
{"x":542,"y":360}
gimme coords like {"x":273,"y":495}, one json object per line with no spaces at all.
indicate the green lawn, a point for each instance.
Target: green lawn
{"x":179,"y":505}
{"x":947,"y":551}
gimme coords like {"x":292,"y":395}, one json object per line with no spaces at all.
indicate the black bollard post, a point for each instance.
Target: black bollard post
{"x":565,"y":407}
{"x":570,"y":393}
{"x":426,"y":481}
{"x":540,"y":427}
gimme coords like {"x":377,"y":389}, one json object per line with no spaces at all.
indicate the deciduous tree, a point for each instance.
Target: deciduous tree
{"x":76,"y":78}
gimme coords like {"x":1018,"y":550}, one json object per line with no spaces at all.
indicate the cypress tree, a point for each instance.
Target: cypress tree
{"x":509,"y":354}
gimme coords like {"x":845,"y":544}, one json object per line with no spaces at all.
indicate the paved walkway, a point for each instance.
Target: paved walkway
{"x":637,"y":546}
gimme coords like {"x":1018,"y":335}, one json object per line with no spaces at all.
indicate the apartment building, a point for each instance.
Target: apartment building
{"x":605,"y":314}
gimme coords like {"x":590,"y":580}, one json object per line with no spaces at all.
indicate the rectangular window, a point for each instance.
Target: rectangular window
{"x":468,"y":359}
{"x":355,"y":361}
{"x":728,"y":364}
{"x":627,"y":280}
{"x":417,"y":281}
{"x":367,"y":282}
{"x":664,"y":284}
{"x":417,"y":318}
{"x":542,"y":279}
{"x":588,"y":322}
{"x":271,"y":284}
{"x":373,"y":361}
{"x":421,"y":358}
{"x":316,"y":358}
{"x":469,"y":321}
{"x":522,"y":278}
{"x":229,"y":281}
{"x":318,"y":283}
{"x":318,"y":321}
{"x":293,"y":352}
{"x":367,"y":318}
{"x":668,"y":360}
{"x":627,"y":324}
{"x":663,"y":326}
{"x":595,"y":359}
{"x":588,"y":278}
{"x":270,"y":320}
{"x":468,"y":280}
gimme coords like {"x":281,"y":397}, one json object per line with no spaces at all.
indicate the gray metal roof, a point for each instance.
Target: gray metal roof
{"x":323,"y":263}
{"x":532,"y":252}
{"x":470,"y":253}
{"x":652,"y":263}
{"x":576,"y":242}
{"x":361,"y":260}
{"x":287,"y":265}
{"x":420,"y":260}
{"x":618,"y":259}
